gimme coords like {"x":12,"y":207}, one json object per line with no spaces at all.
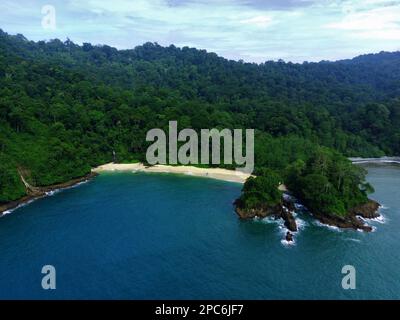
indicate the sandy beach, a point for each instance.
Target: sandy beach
{"x":214,"y":173}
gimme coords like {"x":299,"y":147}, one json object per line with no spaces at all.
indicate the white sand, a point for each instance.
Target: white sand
{"x":215,"y":173}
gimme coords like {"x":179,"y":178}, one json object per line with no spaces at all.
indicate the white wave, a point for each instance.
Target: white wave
{"x":25,"y":203}
{"x":270,"y":220}
{"x":332,"y":228}
{"x":373,"y":229}
{"x":282,"y":230}
{"x":286,"y":243}
{"x":381,"y":219}
{"x":288,"y":197}
{"x":301,"y":224}
{"x":261,"y":220}
{"x":47,"y":194}
{"x":55,"y":191}
{"x":52,"y":192}
{"x":17,"y":207}
{"x":75,"y":185}
{"x":361,"y":218}
{"x":352,"y":239}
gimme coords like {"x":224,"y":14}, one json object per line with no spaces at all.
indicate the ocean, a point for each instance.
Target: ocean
{"x":164,"y":236}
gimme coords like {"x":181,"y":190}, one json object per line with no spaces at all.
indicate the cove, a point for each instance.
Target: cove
{"x":162,"y":236}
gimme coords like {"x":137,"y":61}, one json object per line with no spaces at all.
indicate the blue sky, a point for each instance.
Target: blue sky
{"x":252,"y":30}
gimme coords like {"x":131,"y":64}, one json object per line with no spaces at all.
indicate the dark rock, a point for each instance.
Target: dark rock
{"x":278,"y":211}
{"x":260,"y":212}
{"x":348,"y":222}
{"x":289,"y":203}
{"x":284,"y":211}
{"x":289,"y":237}
{"x":290,"y":221}
{"x":367,"y":210}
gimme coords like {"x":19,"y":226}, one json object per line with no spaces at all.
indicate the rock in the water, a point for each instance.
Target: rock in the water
{"x":348,"y":222}
{"x":289,"y":203}
{"x":289,"y":237}
{"x":368,"y":210}
{"x":260,"y":212}
{"x":290,"y":221}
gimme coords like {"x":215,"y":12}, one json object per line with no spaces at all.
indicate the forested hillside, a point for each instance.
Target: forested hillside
{"x":65,"y":108}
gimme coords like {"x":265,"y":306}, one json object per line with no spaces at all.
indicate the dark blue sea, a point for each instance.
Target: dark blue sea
{"x":162,"y":236}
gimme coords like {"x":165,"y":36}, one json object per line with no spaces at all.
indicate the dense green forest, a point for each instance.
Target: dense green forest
{"x":64,"y":108}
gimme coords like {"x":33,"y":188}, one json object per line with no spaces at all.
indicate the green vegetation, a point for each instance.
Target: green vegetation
{"x":325,"y":181}
{"x":261,"y":190}
{"x":328,"y":183}
{"x":64,"y":108}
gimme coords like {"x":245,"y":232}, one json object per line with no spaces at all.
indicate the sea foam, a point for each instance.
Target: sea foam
{"x":332,"y":228}
{"x":352,"y":239}
{"x":47,"y":194}
{"x":286,"y":243}
{"x":381,"y":219}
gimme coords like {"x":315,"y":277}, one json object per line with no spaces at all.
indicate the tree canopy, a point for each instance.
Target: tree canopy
{"x":64,"y":108}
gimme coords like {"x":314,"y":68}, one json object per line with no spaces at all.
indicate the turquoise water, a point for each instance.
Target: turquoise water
{"x":155,"y":236}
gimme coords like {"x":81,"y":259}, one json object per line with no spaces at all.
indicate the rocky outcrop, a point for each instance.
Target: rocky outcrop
{"x":289,"y":203}
{"x":290,"y":221}
{"x":352,"y":220}
{"x":289,"y":237}
{"x":367,"y":210}
{"x":282,"y":210}
{"x":260,"y":212}
{"x":348,"y":222}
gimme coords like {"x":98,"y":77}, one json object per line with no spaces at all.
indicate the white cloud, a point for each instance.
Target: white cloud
{"x":378,"y":23}
{"x":259,"y":21}
{"x":376,"y":19}
{"x":239,"y":29}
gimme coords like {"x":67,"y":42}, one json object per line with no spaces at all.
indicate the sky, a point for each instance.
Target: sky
{"x":251,"y":30}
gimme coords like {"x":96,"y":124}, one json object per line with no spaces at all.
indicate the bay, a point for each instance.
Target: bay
{"x":162,"y":236}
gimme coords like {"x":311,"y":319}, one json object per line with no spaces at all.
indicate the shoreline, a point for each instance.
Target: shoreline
{"x":382,"y":160}
{"x":213,"y":173}
{"x":43,"y":192}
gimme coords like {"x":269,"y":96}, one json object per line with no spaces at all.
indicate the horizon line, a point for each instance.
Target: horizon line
{"x":279,"y":60}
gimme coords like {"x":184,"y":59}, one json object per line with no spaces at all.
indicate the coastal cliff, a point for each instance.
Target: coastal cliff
{"x":351,"y":220}
{"x":285,"y":209}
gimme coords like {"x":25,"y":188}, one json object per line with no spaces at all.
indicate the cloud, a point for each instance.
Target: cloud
{"x":253,"y":30}
{"x":377,"y":23}
{"x":259,"y":21}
